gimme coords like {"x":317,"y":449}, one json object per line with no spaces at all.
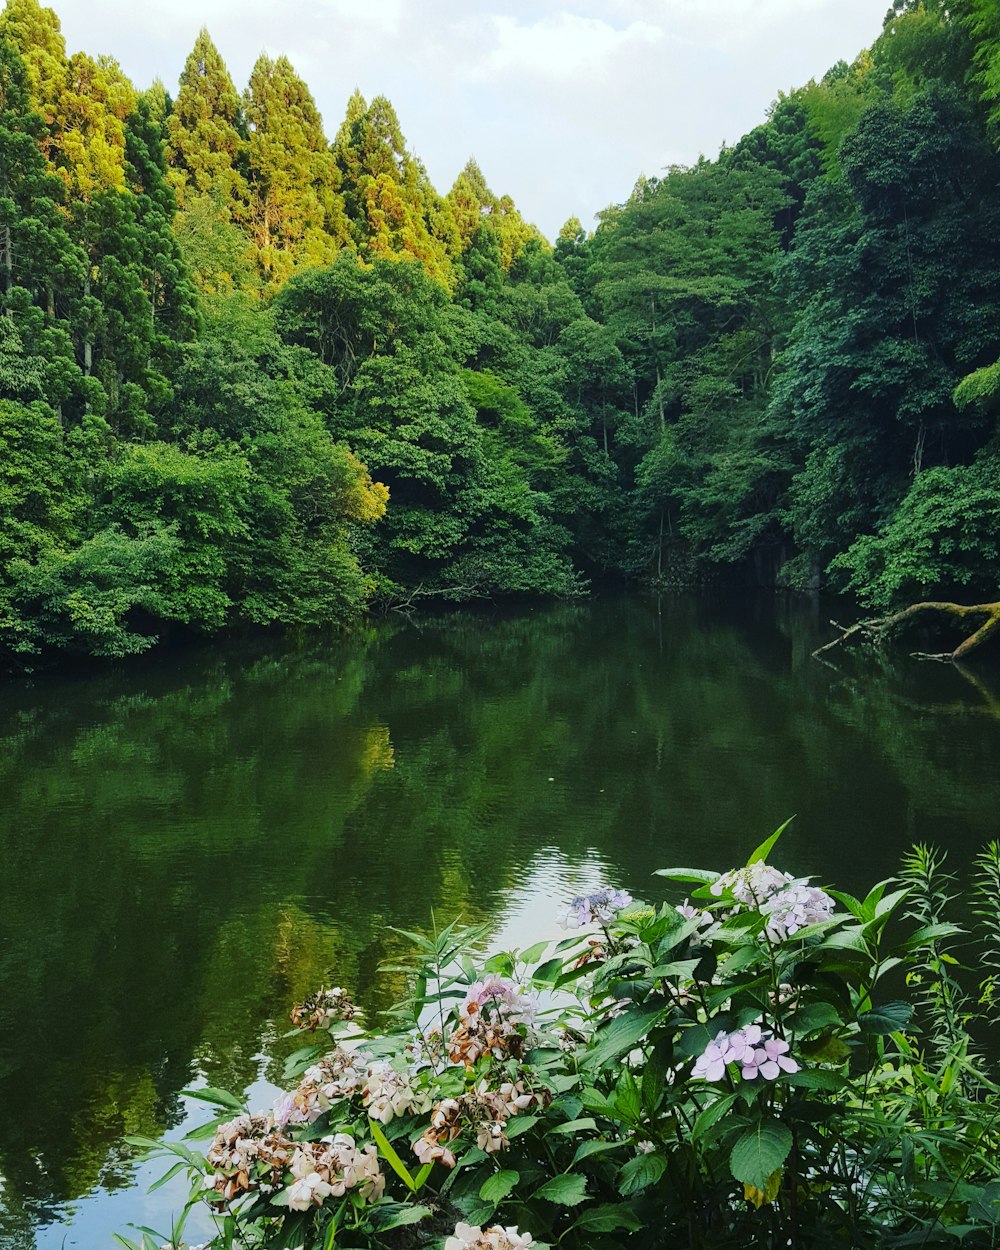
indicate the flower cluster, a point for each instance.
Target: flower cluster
{"x":485,"y":1111}
{"x":323,"y":1008}
{"x":387,"y":1092}
{"x":793,"y":908}
{"x":503,"y":994}
{"x":787,"y":903}
{"x":247,"y":1153}
{"x":330,"y":1168}
{"x":471,"y":1237}
{"x":491,"y":1020}
{"x":337,"y":1075}
{"x":758,"y":1054}
{"x":601,"y":907}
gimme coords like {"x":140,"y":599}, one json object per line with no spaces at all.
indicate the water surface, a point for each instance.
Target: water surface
{"x":190,"y":843}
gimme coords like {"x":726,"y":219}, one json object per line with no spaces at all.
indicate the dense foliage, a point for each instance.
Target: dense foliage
{"x":734,"y":1071}
{"x":249,"y":374}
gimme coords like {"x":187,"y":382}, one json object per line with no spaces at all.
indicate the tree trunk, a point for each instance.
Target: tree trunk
{"x":982,"y":619}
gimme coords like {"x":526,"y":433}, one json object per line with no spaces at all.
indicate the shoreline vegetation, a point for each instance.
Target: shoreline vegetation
{"x":762,"y":1063}
{"x":252,"y":375}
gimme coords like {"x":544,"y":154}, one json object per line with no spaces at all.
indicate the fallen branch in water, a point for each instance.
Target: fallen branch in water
{"x":879,"y":630}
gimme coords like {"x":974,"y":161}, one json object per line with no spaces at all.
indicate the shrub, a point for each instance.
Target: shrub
{"x":736,"y":1069}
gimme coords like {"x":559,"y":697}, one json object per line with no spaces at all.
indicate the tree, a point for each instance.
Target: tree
{"x":393,"y":208}
{"x":296,"y":213}
{"x":206,"y":133}
{"x":895,"y":274}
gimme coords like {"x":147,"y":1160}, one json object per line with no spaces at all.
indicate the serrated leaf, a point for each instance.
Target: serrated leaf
{"x":608,"y":1218}
{"x":588,"y":1148}
{"x":889,"y":1018}
{"x":759,"y":1152}
{"x":496,"y":1187}
{"x":641,"y":1172}
{"x":624,"y":1032}
{"x":815,"y":1078}
{"x":567,"y":1190}
{"x":396,"y":1215}
{"x":825,"y":1050}
{"x":765,"y":1196}
{"x":711,"y":1115}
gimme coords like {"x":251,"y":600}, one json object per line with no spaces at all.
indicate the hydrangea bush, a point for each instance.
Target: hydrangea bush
{"x":733,"y":1069}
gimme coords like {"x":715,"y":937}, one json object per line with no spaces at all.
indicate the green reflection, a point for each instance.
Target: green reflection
{"x":190,"y":845}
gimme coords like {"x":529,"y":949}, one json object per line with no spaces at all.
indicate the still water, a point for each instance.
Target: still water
{"x":190,"y":843}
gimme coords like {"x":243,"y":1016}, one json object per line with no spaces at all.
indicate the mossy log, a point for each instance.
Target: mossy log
{"x":979,"y":622}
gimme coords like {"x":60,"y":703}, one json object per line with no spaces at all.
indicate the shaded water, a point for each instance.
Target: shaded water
{"x":190,"y":844}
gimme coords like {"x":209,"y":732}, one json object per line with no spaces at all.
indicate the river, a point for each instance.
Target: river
{"x":194,"y":840}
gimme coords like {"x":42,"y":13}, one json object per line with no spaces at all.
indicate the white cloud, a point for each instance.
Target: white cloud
{"x":563,"y":102}
{"x":556,"y":47}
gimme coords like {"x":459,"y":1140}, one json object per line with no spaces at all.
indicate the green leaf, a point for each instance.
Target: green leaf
{"x":608,"y":1218}
{"x":624,"y":1032}
{"x":496,"y":1187}
{"x":393,"y":1159}
{"x":853,"y":905}
{"x":549,"y":972}
{"x":396,"y":1215}
{"x":889,"y":1018}
{"x":566,"y":1190}
{"x":641,"y":1172}
{"x":520,"y":1124}
{"x":573,"y":1126}
{"x":815,"y":1078}
{"x":889,"y":902}
{"x":700,"y":875}
{"x":180,"y":1166}
{"x":711,"y":1115}
{"x":930,"y":933}
{"x":533,"y":952}
{"x":217,"y":1097}
{"x":761,"y":853}
{"x":760,"y":1152}
{"x":588,"y":1148}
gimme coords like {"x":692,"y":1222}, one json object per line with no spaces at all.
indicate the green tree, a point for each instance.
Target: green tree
{"x":207,"y":133}
{"x":296,"y":214}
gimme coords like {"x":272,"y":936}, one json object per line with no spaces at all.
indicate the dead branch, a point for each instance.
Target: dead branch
{"x":878,"y":631}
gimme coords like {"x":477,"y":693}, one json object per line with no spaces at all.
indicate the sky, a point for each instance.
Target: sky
{"x":564,"y":103}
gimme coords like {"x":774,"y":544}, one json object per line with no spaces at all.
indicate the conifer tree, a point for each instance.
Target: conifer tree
{"x":35,"y":249}
{"x":89,"y":126}
{"x":296,"y":213}
{"x":207,"y":133}
{"x":36,"y":34}
{"x":393,"y":207}
{"x":472,"y":202}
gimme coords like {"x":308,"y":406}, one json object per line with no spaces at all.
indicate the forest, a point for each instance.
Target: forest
{"x":252,"y":375}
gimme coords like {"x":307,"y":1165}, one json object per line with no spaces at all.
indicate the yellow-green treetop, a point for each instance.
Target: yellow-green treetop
{"x":83,"y":101}
{"x":206,"y":131}
{"x":296,"y":213}
{"x":395,"y":212}
{"x":89,"y":126}
{"x":36,"y":34}
{"x":473,"y":203}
